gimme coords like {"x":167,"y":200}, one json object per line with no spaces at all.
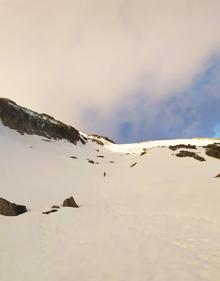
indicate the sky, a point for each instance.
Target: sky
{"x":130,"y":70}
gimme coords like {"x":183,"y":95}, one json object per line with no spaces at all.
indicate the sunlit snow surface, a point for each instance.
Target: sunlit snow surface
{"x":156,"y":221}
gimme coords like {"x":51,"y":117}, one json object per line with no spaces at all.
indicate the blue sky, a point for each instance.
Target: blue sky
{"x":193,"y":112}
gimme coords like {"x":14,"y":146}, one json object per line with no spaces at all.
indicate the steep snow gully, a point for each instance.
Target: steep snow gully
{"x":146,"y":211}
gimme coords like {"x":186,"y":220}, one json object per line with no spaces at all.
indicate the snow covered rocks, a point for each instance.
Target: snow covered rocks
{"x":70,"y":202}
{"x":11,"y":209}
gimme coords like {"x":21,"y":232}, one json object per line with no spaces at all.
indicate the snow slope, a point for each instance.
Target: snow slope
{"x":156,"y":221}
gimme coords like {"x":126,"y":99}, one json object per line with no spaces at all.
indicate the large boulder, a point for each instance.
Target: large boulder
{"x":11,"y":209}
{"x":70,"y":202}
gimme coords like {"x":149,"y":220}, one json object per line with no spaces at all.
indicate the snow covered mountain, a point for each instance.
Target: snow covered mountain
{"x":147,"y":212}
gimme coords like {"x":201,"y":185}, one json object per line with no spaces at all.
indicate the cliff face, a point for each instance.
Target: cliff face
{"x":29,"y":122}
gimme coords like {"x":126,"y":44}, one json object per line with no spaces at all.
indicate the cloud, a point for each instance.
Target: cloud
{"x":83,"y":60}
{"x":192,"y":112}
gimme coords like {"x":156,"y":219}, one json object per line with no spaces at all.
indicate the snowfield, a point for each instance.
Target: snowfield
{"x":156,"y":221}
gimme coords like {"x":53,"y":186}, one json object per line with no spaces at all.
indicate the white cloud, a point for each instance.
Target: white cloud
{"x":64,"y":56}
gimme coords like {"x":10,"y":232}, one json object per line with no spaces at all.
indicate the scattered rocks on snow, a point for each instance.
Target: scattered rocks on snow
{"x":184,"y":153}
{"x":11,"y":209}
{"x":70,"y":202}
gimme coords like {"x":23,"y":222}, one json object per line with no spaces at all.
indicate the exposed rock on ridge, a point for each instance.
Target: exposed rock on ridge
{"x":101,"y":140}
{"x":29,"y":122}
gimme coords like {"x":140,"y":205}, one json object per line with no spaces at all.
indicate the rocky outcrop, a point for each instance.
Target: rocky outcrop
{"x":29,"y":122}
{"x":70,"y":202}
{"x":11,"y":209}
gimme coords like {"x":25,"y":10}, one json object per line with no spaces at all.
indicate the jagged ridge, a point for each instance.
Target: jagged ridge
{"x":29,"y":122}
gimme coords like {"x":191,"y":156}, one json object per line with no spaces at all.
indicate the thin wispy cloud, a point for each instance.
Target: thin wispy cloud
{"x":82,"y":61}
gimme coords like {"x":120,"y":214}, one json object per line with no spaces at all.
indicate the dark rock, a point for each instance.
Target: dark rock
{"x":73,"y":157}
{"x":213,"y":153}
{"x":55,"y":207}
{"x":111,"y":162}
{"x":184,"y":153}
{"x":99,"y":139}
{"x":133,"y":164}
{"x":100,"y":156}
{"x":178,"y":146}
{"x":143,"y":153}
{"x":29,"y":122}
{"x":11,"y":209}
{"x":70,"y":202}
{"x":213,"y":150}
{"x":91,"y":161}
{"x":104,"y":174}
{"x":48,"y":212}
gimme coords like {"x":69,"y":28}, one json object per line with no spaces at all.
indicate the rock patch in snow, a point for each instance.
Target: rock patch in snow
{"x":11,"y":209}
{"x":133,"y":164}
{"x":213,"y":150}
{"x":70,"y":202}
{"x":51,"y":211}
{"x":55,"y":207}
{"x":184,"y":153}
{"x":178,"y":146}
